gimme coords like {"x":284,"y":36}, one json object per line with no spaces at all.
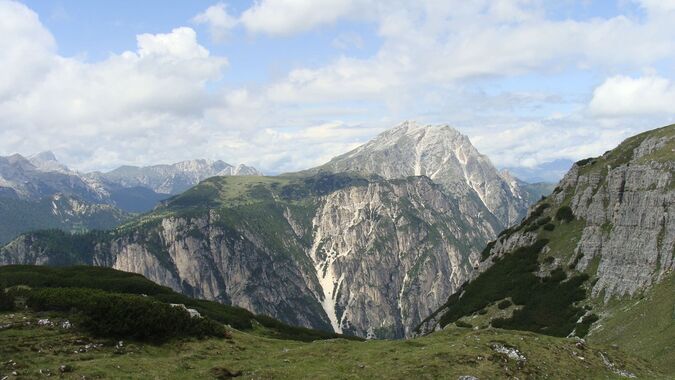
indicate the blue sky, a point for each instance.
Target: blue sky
{"x":286,"y":84}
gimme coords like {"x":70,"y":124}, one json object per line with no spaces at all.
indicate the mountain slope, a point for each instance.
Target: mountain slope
{"x":606,"y":236}
{"x":55,"y":212}
{"x":357,"y":255}
{"x":444,"y":155}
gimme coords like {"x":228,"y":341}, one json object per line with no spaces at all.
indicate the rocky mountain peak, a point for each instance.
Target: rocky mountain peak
{"x":47,"y":155}
{"x":443,"y":154}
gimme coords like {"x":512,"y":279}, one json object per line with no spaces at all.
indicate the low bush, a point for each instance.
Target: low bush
{"x":585,"y":325}
{"x":549,"y":226}
{"x":564,"y":214}
{"x":574,"y":263}
{"x":463,"y":324}
{"x":125,"y":316}
{"x":504,"y":304}
{"x":6,"y":301}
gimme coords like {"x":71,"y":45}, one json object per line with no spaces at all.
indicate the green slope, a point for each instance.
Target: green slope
{"x":444,"y":355}
{"x":644,"y":325}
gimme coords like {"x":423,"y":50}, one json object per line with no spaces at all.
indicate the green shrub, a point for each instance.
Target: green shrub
{"x":125,"y":316}
{"x":576,"y":260}
{"x":549,"y":226}
{"x":6,"y":301}
{"x":585,"y":325}
{"x":585,"y":161}
{"x":463,"y":324}
{"x":486,"y":251}
{"x":564,"y":214}
{"x":504,"y":304}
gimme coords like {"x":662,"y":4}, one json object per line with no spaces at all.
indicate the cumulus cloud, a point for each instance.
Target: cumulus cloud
{"x":626,"y":96}
{"x":218,"y":20}
{"x":27,"y":49}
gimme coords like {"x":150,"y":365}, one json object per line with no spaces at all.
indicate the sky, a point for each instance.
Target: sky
{"x":285,"y":85}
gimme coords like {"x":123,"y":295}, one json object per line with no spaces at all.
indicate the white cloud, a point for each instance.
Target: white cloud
{"x":27,"y":49}
{"x":437,"y":62}
{"x":218,"y":20}
{"x":284,"y":17}
{"x":626,"y":96}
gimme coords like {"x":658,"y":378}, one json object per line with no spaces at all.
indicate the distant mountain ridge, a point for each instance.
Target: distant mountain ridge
{"x":174,"y":178}
{"x":39,"y":192}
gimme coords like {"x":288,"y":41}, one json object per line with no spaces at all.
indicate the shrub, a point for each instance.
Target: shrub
{"x":463,"y":324}
{"x":576,"y":260}
{"x":123,"y":315}
{"x":585,"y":325}
{"x":549,"y":226}
{"x":504,"y":304}
{"x":585,"y":161}
{"x":6,"y":301}
{"x":486,"y":251}
{"x":564,"y":214}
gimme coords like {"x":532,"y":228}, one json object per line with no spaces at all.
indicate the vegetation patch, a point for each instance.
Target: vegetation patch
{"x":114,"y":281}
{"x":127,"y":316}
{"x":548,"y":304}
{"x":564,"y":214}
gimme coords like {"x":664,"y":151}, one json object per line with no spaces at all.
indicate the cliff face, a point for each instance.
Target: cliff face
{"x":629,"y":209}
{"x":367,"y":257}
{"x":611,"y":218}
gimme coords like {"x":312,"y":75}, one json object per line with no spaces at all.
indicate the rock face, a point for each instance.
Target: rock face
{"x":620,"y":229}
{"x":369,"y":257}
{"x":448,"y":158}
{"x":629,"y":211}
{"x":175,"y":178}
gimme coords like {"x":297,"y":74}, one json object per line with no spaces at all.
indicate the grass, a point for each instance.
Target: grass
{"x":447,"y":354}
{"x":643,"y":325}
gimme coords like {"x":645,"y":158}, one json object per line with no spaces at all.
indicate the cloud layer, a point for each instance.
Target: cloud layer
{"x":527,"y":86}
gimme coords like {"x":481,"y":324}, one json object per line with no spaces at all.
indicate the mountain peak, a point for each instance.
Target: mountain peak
{"x":441,"y":153}
{"x":47,"y":155}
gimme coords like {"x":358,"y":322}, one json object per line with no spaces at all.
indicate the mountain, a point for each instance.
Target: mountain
{"x":175,"y":178}
{"x":445,"y":156}
{"x":38,"y":177}
{"x":39,"y":192}
{"x":533,"y":192}
{"x":55,"y":212}
{"x":351,"y":254}
{"x":368,"y":244}
{"x":595,"y":257}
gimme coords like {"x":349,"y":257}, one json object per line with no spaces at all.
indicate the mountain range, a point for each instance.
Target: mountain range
{"x":368,"y":244}
{"x":38,"y":192}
